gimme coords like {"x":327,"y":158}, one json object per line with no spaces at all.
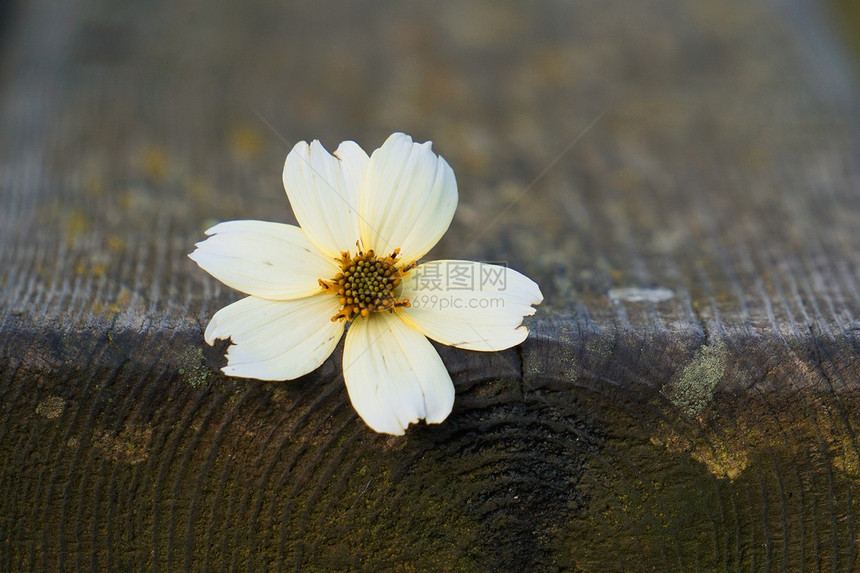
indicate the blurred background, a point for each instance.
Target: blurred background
{"x":679,"y":176}
{"x":605,"y":132}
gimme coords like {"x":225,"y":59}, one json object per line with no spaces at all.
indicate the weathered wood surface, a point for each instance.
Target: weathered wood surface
{"x":688,"y":398}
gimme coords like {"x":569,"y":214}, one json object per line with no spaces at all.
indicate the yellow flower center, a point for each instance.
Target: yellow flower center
{"x":366,"y":284}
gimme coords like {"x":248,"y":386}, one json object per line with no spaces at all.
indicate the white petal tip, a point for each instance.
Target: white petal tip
{"x":401,"y":431}
{"x":388,"y":425}
{"x":439,"y":418}
{"x":399,"y":427}
{"x":522,"y":334}
{"x":238,"y":372}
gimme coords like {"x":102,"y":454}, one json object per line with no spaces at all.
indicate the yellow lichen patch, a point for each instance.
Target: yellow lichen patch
{"x":723,"y":456}
{"x":103,"y":309}
{"x":845,"y":458}
{"x":842,"y":449}
{"x":155,"y":164}
{"x":51,"y":407}
{"x":752,"y":462}
{"x":246,"y":142}
{"x":77,"y":223}
{"x":123,"y":298}
{"x":130,"y":446}
{"x":727,"y":442}
{"x":722,"y":460}
{"x":90,"y":269}
{"x":115,"y":243}
{"x":112,"y":308}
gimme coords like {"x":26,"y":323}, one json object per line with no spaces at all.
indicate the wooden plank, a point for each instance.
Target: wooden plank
{"x":679,"y":177}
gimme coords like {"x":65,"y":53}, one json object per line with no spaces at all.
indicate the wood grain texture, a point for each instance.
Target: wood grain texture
{"x":687,"y":399}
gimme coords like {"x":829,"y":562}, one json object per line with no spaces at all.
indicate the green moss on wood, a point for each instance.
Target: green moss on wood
{"x":693,"y":390}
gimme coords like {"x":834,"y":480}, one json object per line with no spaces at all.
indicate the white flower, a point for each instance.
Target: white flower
{"x":364,"y":222}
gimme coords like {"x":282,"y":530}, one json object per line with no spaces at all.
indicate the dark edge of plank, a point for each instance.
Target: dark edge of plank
{"x":116,"y":455}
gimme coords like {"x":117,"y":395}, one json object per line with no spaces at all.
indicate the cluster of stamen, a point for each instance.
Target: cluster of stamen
{"x":366,"y":284}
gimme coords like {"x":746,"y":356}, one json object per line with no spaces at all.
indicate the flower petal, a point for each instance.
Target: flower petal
{"x":393,"y":375}
{"x":470,"y":305}
{"x":267,"y":260}
{"x":324,"y":193}
{"x":277,"y":339}
{"x":408,"y":200}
